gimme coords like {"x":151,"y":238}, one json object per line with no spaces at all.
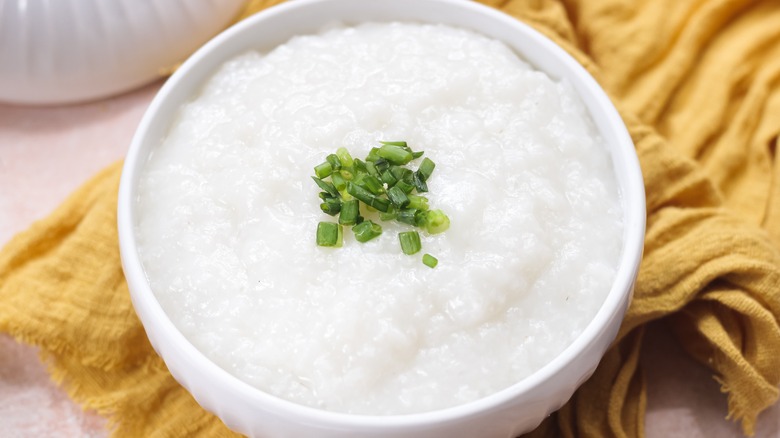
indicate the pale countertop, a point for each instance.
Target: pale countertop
{"x":45,"y":153}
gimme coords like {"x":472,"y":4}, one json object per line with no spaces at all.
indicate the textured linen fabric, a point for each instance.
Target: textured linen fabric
{"x":698,"y":85}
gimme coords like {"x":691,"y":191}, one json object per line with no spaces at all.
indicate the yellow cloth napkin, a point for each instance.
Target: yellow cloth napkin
{"x":698,"y":84}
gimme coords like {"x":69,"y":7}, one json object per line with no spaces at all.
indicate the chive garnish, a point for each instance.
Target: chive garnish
{"x":398,"y":197}
{"x":367,"y":197}
{"x":333,"y":160}
{"x":329,"y":234}
{"x":390,"y":215}
{"x":436,"y":222}
{"x":405,"y":186}
{"x":407,"y":216}
{"x":388,"y":178}
{"x":386,"y":186}
{"x":373,"y":185}
{"x":412,"y":216}
{"x":366,"y":231}
{"x":338,"y":181}
{"x":426,"y":168}
{"x":371,"y":168}
{"x":381,"y":165}
{"x":419,"y":183}
{"x":328,"y":187}
{"x":344,"y":157}
{"x":401,"y":173}
{"x":420,"y":218}
{"x":323,"y":170}
{"x":373,"y":155}
{"x":418,"y":202}
{"x":410,"y":242}
{"x":350,"y":210}
{"x":360,"y":166}
{"x":394,"y":143}
{"x":395,"y":154}
{"x":331,"y":206}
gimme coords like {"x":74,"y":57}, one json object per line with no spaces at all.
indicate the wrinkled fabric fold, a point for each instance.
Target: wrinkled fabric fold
{"x":698,"y":86}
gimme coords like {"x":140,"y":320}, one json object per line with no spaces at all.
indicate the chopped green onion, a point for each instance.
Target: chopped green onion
{"x":408,"y":216}
{"x":360,"y":166}
{"x":334,"y":162}
{"x":344,"y":157}
{"x":420,"y":218}
{"x":419,"y":183}
{"x":371,"y":168}
{"x":436,"y":222}
{"x":388,"y":178}
{"x":410,"y":242}
{"x":382,"y":183}
{"x":394,"y":143}
{"x":405,"y":186}
{"x":366,"y":231}
{"x":350,"y":210}
{"x":418,"y":202}
{"x":402,"y":173}
{"x":426,"y":168}
{"x":323,"y":170}
{"x":398,"y":197}
{"x":374,"y":185}
{"x":328,"y":187}
{"x":370,"y":183}
{"x":395,"y":154}
{"x":367,"y":197}
{"x":338,"y":181}
{"x":390,"y":215}
{"x":329,"y":234}
{"x":373,"y":154}
{"x":381,"y":165}
{"x":331,"y":206}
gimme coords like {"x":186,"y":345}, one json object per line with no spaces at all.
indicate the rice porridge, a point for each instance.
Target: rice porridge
{"x":227,"y":215}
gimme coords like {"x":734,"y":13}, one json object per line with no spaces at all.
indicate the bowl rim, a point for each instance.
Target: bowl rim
{"x":632,"y":194}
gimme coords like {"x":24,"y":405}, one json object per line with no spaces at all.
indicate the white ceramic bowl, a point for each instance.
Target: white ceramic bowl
{"x":66,"y":51}
{"x":506,"y":413}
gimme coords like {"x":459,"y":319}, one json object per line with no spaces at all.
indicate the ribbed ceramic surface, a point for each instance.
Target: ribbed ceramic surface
{"x":60,"y":51}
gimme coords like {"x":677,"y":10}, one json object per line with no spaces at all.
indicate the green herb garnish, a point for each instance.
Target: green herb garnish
{"x":426,"y":169}
{"x":329,"y":234}
{"x":381,"y":204}
{"x":384,"y":183}
{"x":410,"y":242}
{"x":350,"y":210}
{"x":395,"y":154}
{"x":436,"y":222}
{"x":328,"y":187}
{"x":344,"y":157}
{"x":323,"y":170}
{"x":331,"y":206}
{"x":366,"y":231}
{"x":398,"y":197}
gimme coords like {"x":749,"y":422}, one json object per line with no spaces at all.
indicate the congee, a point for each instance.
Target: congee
{"x":227,"y":216}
